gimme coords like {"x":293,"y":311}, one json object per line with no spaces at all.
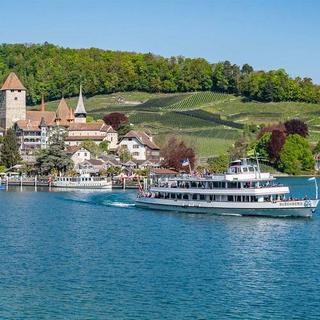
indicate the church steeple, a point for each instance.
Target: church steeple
{"x":80,"y":114}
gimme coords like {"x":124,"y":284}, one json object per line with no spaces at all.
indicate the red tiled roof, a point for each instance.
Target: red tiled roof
{"x":63,"y":112}
{"x":28,"y":125}
{"x":48,"y":116}
{"x":83,"y":138}
{"x":143,"y":138}
{"x":163,"y":171}
{"x":92,"y":126}
{"x":74,"y":149}
{"x":12,"y":83}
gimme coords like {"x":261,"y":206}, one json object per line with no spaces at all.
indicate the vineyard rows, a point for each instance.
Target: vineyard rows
{"x":197,"y":100}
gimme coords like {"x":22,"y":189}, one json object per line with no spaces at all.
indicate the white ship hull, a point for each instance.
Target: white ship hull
{"x":301,"y":208}
{"x":103,"y":184}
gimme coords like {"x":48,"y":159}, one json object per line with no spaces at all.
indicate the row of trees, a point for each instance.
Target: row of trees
{"x":51,"y":71}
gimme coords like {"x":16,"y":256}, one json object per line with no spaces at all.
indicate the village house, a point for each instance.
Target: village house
{"x":78,"y":154}
{"x":141,"y":146}
{"x":92,"y":166}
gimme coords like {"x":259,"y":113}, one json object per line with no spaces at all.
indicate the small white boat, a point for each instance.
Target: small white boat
{"x":82,"y":182}
{"x":242,"y":190}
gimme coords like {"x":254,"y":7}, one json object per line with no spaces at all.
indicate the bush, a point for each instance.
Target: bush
{"x":296,"y":155}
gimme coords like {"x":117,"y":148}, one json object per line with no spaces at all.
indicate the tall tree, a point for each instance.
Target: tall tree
{"x":175,"y":151}
{"x":54,"y":158}
{"x":115,"y":119}
{"x":10,"y":155}
{"x":276,"y":143}
{"x":296,"y":155}
{"x":296,"y":126}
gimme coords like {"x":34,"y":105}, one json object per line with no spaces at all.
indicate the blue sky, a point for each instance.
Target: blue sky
{"x":267,"y":34}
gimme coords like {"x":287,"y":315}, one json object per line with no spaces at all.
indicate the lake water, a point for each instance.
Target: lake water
{"x":79,"y":255}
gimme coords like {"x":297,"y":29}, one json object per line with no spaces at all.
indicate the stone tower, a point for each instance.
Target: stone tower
{"x":12,"y":102}
{"x":80,"y":115}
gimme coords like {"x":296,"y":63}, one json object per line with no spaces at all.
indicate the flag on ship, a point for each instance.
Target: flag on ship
{"x":185,"y":162}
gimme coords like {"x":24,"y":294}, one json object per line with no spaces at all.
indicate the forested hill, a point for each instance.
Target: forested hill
{"x":54,"y":71}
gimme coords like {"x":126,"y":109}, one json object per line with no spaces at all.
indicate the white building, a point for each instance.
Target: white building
{"x":95,"y":131}
{"x":78,"y":155}
{"x":141,"y":146}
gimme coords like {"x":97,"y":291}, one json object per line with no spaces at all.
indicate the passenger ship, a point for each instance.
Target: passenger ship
{"x":82,"y":182}
{"x":242,"y":190}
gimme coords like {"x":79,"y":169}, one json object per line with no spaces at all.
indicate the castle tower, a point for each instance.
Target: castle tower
{"x":80,"y":115}
{"x":12,"y":102}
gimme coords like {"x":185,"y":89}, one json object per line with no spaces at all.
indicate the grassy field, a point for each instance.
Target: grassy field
{"x":208,"y":121}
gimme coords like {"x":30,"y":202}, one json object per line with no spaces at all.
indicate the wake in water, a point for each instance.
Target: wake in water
{"x":107,"y":199}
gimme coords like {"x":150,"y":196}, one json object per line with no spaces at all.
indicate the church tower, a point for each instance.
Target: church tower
{"x":80,"y":115}
{"x":12,"y":102}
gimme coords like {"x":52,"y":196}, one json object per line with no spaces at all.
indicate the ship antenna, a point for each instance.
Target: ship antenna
{"x":258,"y":164}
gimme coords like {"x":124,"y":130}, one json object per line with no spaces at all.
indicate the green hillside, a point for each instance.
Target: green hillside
{"x":208,"y":121}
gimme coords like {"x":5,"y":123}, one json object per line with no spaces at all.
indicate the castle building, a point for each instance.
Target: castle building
{"x":34,"y":127}
{"x":12,"y":102}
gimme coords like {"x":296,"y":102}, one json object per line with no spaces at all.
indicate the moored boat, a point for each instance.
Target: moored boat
{"x":82,"y":182}
{"x":242,"y":190}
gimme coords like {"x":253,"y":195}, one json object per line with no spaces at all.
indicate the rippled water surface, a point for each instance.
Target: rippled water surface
{"x":81,"y":255}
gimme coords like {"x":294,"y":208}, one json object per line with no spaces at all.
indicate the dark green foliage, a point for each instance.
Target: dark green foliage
{"x":219,"y":164}
{"x":296,"y":155}
{"x":215,"y":118}
{"x":10,"y":155}
{"x":54,"y":158}
{"x":261,"y":147}
{"x":54,"y":71}
{"x":124,"y":128}
{"x":104,"y":146}
{"x":316,"y":149}
{"x":91,"y":146}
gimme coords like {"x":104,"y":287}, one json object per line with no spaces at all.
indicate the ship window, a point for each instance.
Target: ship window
{"x":232,"y":185}
{"x":202,"y":197}
{"x":239,"y":199}
{"x":185,"y":197}
{"x":179,"y":196}
{"x":230,"y":198}
{"x":194,"y":197}
{"x":211,"y":197}
{"x":173,"y":195}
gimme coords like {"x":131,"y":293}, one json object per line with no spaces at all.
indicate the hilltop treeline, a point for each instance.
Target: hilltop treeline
{"x":54,"y":71}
